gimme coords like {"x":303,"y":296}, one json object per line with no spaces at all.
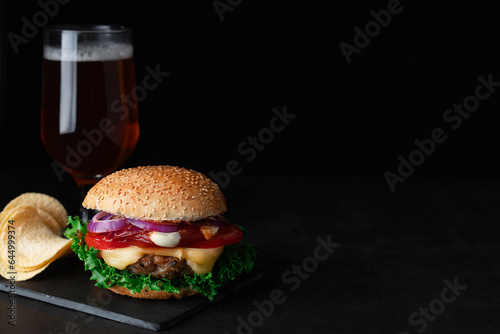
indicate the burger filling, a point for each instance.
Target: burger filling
{"x":161,"y":248}
{"x":201,"y":260}
{"x":107,"y":231}
{"x":161,"y":267}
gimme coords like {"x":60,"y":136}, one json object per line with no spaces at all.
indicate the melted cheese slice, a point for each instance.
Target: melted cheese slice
{"x":199,"y":259}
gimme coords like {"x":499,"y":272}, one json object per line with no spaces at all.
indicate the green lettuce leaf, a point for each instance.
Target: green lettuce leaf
{"x":234,"y":260}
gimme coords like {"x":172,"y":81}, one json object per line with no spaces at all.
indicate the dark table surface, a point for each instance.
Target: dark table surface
{"x":425,"y":258}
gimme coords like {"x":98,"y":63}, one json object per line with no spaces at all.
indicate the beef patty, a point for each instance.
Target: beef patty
{"x":161,"y":267}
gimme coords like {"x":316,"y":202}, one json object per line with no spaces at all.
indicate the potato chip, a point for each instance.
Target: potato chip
{"x":34,"y":244}
{"x":49,"y":221}
{"x":19,"y":276}
{"x":44,"y":202}
{"x":30,"y":229}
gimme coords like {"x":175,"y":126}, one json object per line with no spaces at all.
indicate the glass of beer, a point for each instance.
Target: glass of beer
{"x":89,"y":123}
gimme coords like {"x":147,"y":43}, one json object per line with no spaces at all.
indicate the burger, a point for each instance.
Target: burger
{"x":159,"y":233}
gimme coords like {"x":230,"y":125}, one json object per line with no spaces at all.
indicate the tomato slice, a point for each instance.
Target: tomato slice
{"x":191,"y":236}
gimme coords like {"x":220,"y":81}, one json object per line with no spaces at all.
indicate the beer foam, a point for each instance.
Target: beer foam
{"x":92,"y":52}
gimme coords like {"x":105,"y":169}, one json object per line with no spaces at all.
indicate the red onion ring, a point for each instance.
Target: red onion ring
{"x":165,"y":228}
{"x":100,"y":215}
{"x":104,"y":222}
{"x":98,"y":225}
{"x":218,"y":221}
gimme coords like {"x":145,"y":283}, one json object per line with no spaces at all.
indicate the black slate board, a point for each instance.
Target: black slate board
{"x":65,"y":283}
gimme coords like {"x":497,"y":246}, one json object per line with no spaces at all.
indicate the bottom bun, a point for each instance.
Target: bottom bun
{"x":153,"y":294}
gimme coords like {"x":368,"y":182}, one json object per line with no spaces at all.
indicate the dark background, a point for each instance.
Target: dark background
{"x":324,"y":173}
{"x":227,"y":76}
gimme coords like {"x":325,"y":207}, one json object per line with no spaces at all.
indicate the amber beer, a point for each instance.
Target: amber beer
{"x":89,"y":121}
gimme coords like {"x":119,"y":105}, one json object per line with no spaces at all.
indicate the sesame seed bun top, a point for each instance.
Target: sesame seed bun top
{"x":157,"y":193}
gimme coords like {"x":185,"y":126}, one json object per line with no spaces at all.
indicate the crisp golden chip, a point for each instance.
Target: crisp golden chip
{"x":19,"y":274}
{"x":29,"y":242}
{"x":49,"y":221}
{"x":44,"y":202}
{"x":23,"y":275}
{"x":16,"y":275}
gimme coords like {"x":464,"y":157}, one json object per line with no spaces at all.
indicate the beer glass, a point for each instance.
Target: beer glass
{"x":89,"y":122}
